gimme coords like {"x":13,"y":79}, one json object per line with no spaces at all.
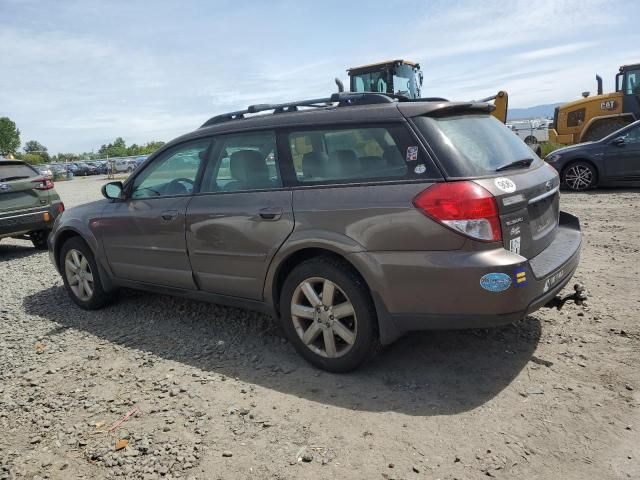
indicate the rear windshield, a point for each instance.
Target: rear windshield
{"x":473,"y":145}
{"x":16,"y":171}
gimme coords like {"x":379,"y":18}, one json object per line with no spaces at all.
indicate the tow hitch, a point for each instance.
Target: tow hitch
{"x":578,"y":297}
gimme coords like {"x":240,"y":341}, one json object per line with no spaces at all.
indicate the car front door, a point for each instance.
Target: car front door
{"x":622,"y":155}
{"x":240,"y":217}
{"x":144,"y":234}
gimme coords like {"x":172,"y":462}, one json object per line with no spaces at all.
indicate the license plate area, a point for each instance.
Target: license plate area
{"x":543,"y":216}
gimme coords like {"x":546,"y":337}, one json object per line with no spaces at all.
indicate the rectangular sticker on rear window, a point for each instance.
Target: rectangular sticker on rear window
{"x":412,"y":154}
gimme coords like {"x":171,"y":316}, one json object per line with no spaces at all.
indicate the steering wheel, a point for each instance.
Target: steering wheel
{"x":178,"y":183}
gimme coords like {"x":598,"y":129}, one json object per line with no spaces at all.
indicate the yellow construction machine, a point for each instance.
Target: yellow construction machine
{"x":404,"y":78}
{"x":594,"y":117}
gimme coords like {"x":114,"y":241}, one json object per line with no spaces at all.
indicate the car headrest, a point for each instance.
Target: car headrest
{"x":248,"y":165}
{"x":345,"y":162}
{"x":314,"y":164}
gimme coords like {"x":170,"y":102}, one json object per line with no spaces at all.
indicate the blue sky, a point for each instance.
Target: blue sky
{"x":76,"y":74}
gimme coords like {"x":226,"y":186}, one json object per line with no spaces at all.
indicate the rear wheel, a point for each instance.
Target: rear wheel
{"x":39,"y":239}
{"x":602,"y":129}
{"x":80,"y":275}
{"x":580,"y":176}
{"x":328,"y":315}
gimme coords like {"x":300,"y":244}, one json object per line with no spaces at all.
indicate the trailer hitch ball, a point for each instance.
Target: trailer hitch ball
{"x":578,"y":297}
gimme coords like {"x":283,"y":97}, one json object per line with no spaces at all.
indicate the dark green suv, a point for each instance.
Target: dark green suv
{"x":28,"y":203}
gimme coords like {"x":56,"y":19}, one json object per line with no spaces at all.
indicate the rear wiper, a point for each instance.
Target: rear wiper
{"x":525,"y":162}
{"x":8,"y":179}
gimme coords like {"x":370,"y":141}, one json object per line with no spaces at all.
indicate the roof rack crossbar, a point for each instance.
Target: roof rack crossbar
{"x":342,"y":99}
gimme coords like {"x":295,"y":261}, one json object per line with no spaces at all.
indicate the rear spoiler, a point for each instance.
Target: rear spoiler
{"x":441,"y":109}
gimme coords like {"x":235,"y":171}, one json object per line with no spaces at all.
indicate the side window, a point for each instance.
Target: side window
{"x":246,"y":161}
{"x":633,"y":135}
{"x":346,"y":154}
{"x":174,"y":173}
{"x":575,"y":118}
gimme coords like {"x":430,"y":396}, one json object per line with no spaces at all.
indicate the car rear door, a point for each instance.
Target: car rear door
{"x":18,"y":189}
{"x":144,"y":235}
{"x":240,"y":217}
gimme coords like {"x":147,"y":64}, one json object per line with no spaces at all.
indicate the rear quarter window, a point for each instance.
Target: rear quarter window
{"x":356,"y":154}
{"x":473,"y":145}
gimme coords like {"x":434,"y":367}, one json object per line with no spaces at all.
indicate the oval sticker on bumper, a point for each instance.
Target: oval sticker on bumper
{"x":495,"y":282}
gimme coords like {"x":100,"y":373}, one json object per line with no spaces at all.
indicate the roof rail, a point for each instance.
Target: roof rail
{"x":342,"y":99}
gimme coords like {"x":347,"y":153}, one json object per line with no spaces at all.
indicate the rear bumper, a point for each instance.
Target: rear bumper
{"x":442,"y":290}
{"x":21,"y":222}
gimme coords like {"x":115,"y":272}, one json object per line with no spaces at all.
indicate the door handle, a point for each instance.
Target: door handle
{"x":169,"y":215}
{"x":270,"y":213}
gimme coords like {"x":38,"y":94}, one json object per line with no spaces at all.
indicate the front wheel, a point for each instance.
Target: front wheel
{"x":80,"y":275}
{"x":580,"y":176}
{"x":328,"y":315}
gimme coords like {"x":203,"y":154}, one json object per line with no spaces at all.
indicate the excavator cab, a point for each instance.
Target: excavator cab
{"x":395,"y":77}
{"x":404,"y":78}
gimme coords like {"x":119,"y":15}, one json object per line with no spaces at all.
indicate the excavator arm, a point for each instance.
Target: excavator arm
{"x":501,"y":102}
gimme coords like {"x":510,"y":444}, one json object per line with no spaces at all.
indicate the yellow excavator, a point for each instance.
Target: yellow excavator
{"x":594,"y":117}
{"x":404,"y":78}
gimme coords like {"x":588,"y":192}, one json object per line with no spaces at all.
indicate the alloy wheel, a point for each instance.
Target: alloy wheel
{"x":324,"y":318}
{"x":578,"y":177}
{"x":79,"y":275}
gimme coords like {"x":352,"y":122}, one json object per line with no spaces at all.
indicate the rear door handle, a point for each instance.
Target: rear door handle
{"x":169,"y":215}
{"x":271,"y":213}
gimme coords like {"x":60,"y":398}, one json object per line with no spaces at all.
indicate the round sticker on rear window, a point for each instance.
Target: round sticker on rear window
{"x":420,"y":169}
{"x":505,"y":184}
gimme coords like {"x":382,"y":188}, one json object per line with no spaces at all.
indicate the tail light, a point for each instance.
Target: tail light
{"x":464,"y":207}
{"x":60,"y":207}
{"x":43,"y":184}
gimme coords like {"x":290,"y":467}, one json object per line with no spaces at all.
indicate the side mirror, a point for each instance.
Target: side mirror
{"x":113,"y":191}
{"x":618,"y":141}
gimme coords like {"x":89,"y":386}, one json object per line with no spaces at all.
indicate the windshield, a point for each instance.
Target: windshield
{"x":474,"y":145}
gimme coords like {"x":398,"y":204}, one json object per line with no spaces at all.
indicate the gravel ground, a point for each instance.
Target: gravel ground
{"x":211,"y":392}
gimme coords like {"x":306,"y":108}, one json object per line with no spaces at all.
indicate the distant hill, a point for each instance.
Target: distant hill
{"x":532,"y":112}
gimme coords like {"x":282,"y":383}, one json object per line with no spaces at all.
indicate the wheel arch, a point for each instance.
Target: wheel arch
{"x":295,"y":258}
{"x":597,"y":121}
{"x":66,"y":234}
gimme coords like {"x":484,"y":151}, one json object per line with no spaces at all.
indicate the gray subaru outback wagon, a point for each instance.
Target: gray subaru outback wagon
{"x":353,"y":219}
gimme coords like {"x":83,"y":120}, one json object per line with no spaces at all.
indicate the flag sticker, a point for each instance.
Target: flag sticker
{"x":521,"y":277}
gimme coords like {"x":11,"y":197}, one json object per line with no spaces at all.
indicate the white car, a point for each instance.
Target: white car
{"x":120,"y":165}
{"x":531,"y":131}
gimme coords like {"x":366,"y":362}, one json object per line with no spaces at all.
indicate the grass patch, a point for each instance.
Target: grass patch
{"x":548,"y":147}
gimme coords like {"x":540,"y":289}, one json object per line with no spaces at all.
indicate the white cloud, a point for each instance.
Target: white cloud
{"x":555,"y":51}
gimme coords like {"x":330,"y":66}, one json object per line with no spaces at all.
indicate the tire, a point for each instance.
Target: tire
{"x":354,"y":333}
{"x":579,"y":176}
{"x":531,"y":140}
{"x":602,"y":129}
{"x":97,"y":297}
{"x":39,"y":239}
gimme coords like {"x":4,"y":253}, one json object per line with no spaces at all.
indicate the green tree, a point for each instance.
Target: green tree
{"x":34,"y":147}
{"x":9,"y":137}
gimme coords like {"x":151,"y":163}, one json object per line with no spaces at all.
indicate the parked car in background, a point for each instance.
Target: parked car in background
{"x":613,"y":160}
{"x":82,"y":169}
{"x":140,"y":160}
{"x":354,"y":223}
{"x":28,"y":203}
{"x":121,"y":165}
{"x":45,"y":170}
